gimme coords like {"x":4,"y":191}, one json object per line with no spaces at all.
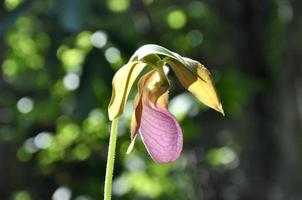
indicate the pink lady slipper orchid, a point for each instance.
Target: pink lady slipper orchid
{"x":158,"y":128}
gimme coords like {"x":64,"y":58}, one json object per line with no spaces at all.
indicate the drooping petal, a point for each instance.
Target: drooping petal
{"x":160,"y":133}
{"x":193,"y":75}
{"x":121,"y":86}
{"x":198,"y":83}
{"x":158,"y":128}
{"x":152,"y":101}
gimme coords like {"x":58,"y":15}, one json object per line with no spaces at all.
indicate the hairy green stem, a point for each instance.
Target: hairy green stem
{"x":110,"y":159}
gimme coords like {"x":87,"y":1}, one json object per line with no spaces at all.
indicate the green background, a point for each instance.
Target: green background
{"x":57,"y":60}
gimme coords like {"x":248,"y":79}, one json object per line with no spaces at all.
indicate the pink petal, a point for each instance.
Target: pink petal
{"x":160,"y":133}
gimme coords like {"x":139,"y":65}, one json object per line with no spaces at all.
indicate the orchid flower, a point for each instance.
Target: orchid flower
{"x":157,"y":127}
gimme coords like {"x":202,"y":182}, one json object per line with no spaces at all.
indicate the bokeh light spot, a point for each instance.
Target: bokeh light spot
{"x":43,"y":140}
{"x":12,"y":4}
{"x":67,"y":134}
{"x":112,"y":55}
{"x":62,"y":193}
{"x":25,"y":105}
{"x":83,"y":197}
{"x":72,"y":59}
{"x":285,"y":11}
{"x":36,"y":61}
{"x":25,"y":45}
{"x":82,"y":152}
{"x":222,"y":156}
{"x":118,"y":5}
{"x":195,"y":37}
{"x":71,"y":81}
{"x":121,"y":186}
{"x":197,"y":9}
{"x":30,"y":146}
{"x":10,"y":67}
{"x":148,"y":2}
{"x":176,"y":19}
{"x":22,"y":195}
{"x":99,"y":39}
{"x":94,"y":123}
{"x":135,"y":163}
{"x":83,"y":40}
{"x":183,"y":104}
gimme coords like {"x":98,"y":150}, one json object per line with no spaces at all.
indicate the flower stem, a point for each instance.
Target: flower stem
{"x":110,"y":159}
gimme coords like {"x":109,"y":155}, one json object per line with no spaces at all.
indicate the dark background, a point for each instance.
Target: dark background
{"x":57,"y":61}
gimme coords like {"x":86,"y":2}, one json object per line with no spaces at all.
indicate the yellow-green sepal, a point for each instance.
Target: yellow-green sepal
{"x":197,"y":80}
{"x":121,"y":85}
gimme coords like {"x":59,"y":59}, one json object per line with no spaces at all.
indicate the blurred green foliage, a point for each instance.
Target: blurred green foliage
{"x":57,"y":62}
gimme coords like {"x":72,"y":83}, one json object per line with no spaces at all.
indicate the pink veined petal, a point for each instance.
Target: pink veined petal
{"x":161,"y":134}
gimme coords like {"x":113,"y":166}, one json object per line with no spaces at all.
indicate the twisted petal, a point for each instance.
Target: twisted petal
{"x":121,"y":86}
{"x":160,"y":133}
